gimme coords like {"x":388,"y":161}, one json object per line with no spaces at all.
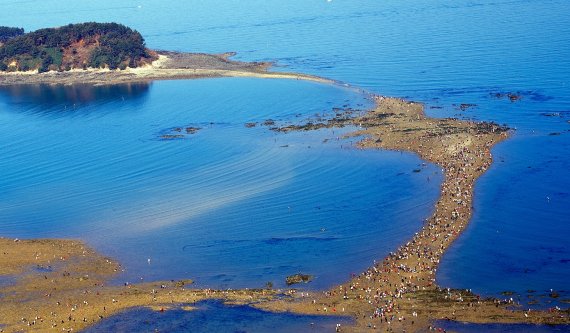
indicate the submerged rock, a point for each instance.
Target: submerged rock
{"x":298,"y":278}
{"x":269,"y":122}
{"x":465,"y":106}
{"x":192,"y":130}
{"x":171,"y":136}
{"x":512,"y":96}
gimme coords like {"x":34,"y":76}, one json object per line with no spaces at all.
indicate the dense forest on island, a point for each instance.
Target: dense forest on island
{"x":7,"y":33}
{"x":84,"y":45}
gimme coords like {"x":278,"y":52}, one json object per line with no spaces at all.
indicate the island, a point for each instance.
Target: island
{"x":74,"y":46}
{"x":106,"y":53}
{"x":62,"y":284}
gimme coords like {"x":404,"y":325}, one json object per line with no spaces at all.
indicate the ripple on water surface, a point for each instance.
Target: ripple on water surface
{"x":226,"y":205}
{"x":438,"y":52}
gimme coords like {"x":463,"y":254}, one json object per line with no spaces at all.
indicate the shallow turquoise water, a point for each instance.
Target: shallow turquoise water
{"x":437,"y":52}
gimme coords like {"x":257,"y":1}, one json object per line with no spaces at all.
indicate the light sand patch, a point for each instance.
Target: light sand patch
{"x":168,"y":66}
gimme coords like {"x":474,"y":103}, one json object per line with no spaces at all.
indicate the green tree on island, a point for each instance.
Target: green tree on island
{"x":96,"y":45}
{"x":7,"y":32}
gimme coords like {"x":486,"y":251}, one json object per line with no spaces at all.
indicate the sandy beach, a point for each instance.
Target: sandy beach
{"x":168,"y":66}
{"x":62,"y":284}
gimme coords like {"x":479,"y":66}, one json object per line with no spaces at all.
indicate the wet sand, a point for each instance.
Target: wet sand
{"x":60,"y":284}
{"x":400,"y":293}
{"x":168,"y":66}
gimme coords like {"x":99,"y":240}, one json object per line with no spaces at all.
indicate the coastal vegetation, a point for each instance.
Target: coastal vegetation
{"x":7,"y":33}
{"x":84,"y":45}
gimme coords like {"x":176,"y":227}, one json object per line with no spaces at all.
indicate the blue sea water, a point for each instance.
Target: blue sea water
{"x":499,"y":328}
{"x":228,"y":206}
{"x":214,"y":316}
{"x":232,"y":206}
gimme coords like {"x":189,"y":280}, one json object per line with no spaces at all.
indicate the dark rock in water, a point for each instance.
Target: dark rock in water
{"x":554,"y":294}
{"x":465,"y":106}
{"x":341,"y":118}
{"x":417,"y":170}
{"x":298,"y":278}
{"x":177,"y":132}
{"x":508,"y":293}
{"x":171,"y":136}
{"x":518,"y":95}
{"x":192,"y":130}
{"x":514,"y":97}
{"x":554,"y":133}
{"x":269,"y":122}
{"x":552,"y":114}
{"x":250,"y":125}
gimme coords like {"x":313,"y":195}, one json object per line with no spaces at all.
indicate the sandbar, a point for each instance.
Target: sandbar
{"x":168,"y":66}
{"x":62,"y":284}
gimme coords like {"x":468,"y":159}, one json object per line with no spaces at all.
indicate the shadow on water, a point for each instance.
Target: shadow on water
{"x":215,"y":316}
{"x":455,"y":326}
{"x":62,"y":100}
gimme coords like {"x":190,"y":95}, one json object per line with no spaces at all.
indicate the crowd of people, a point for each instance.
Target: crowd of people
{"x":381,"y":295}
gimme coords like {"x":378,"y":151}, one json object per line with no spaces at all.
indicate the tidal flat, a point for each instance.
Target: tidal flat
{"x":69,"y":288}
{"x":457,"y":54}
